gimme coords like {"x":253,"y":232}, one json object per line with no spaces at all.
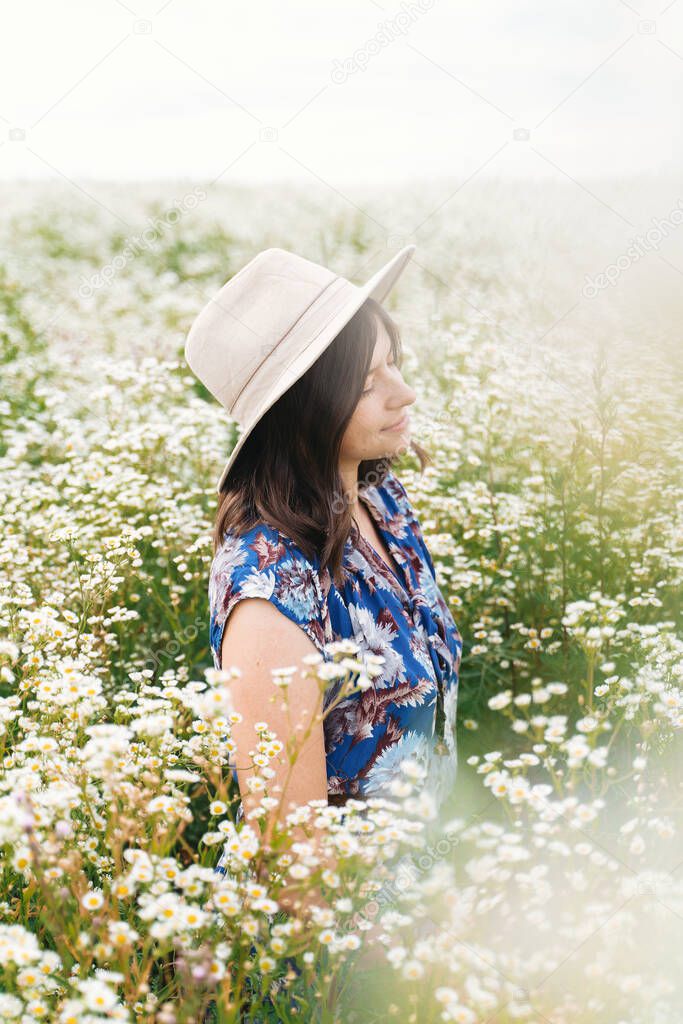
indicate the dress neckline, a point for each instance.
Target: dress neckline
{"x":390,"y":573}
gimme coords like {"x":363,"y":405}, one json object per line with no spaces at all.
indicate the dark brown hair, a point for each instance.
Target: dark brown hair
{"x":287,"y":472}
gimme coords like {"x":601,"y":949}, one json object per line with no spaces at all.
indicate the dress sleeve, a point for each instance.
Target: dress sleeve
{"x":261,"y":564}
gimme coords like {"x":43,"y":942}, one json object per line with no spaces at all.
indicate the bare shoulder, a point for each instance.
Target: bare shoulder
{"x":257,"y":629}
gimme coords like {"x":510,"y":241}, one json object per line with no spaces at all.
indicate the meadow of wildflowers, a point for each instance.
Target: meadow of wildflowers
{"x":550,"y":888}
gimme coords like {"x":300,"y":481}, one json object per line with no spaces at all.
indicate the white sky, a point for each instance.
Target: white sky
{"x":113,"y":90}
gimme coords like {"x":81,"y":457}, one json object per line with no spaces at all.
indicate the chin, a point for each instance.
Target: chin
{"x":398,"y":445}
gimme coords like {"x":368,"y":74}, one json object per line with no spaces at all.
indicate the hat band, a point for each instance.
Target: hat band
{"x":308,"y":328}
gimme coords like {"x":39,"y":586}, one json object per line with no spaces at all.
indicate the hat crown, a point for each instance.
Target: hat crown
{"x":249,"y":317}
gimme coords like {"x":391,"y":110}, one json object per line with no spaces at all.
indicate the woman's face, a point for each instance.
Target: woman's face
{"x":374,"y":431}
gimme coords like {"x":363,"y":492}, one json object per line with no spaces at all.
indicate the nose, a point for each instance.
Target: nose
{"x":406,"y":395}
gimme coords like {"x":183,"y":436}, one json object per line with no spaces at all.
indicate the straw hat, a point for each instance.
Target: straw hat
{"x":268,"y":324}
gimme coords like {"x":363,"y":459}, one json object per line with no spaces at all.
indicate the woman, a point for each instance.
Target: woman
{"x":315,"y":537}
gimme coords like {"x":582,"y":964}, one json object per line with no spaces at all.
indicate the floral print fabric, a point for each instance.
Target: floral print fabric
{"x":406,"y":620}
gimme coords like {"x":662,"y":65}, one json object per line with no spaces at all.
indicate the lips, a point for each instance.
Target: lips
{"x":400,"y":424}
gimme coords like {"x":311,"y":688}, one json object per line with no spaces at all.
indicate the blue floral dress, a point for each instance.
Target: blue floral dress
{"x":406,"y":620}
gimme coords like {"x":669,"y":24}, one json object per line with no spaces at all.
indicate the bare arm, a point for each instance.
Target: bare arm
{"x":258,"y":638}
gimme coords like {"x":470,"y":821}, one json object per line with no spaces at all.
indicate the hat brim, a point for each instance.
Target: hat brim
{"x":377,"y":287}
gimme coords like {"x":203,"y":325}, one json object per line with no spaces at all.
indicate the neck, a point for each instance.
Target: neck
{"x":349,"y":474}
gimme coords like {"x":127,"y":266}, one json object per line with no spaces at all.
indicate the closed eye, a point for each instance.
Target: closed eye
{"x":371,"y":388}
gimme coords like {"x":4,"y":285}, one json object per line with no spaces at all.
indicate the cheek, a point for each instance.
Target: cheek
{"x":365,"y":422}
{"x":367,"y":417}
